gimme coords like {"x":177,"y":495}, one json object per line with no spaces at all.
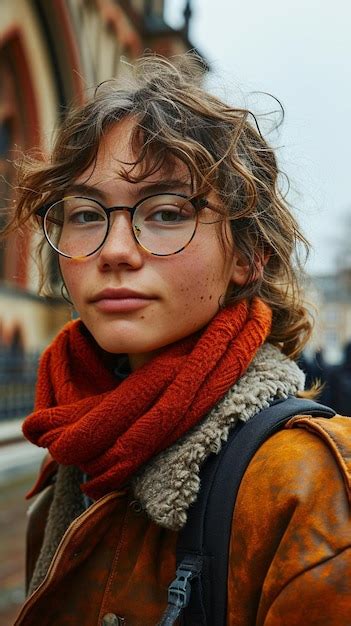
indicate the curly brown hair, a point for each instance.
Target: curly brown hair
{"x":224,"y":150}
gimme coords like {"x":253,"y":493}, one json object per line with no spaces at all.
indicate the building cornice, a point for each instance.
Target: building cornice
{"x":154,"y":26}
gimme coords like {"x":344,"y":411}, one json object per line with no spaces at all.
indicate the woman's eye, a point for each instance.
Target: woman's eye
{"x":172,"y":215}
{"x":86,"y":217}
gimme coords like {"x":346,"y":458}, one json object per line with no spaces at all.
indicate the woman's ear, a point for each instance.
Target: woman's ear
{"x":241,"y":268}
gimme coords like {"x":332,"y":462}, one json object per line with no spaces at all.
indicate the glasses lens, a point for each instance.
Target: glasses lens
{"x":164,"y":224}
{"x":75,"y":226}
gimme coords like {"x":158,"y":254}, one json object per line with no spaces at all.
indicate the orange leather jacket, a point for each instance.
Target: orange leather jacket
{"x":290,"y":555}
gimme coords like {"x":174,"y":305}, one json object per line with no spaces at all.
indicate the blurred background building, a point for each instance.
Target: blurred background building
{"x":52,"y":53}
{"x":332,"y":297}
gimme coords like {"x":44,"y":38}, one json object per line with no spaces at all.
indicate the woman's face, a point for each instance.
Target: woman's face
{"x":174,"y":296}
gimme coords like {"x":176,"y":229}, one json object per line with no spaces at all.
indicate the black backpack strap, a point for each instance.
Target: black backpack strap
{"x":206,"y":535}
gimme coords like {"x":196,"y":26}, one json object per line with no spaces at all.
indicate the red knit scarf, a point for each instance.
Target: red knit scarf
{"x":109,"y":428}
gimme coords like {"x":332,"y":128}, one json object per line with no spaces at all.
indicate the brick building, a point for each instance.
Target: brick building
{"x":51,"y":54}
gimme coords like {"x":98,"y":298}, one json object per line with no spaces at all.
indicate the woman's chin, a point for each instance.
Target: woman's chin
{"x":125,"y":342}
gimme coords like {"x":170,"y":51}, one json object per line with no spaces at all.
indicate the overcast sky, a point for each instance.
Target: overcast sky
{"x":299,"y":51}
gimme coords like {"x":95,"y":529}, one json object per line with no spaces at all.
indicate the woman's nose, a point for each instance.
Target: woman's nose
{"x":120,"y":247}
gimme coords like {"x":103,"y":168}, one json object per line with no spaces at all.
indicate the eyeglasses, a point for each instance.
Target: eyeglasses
{"x":163,"y":224}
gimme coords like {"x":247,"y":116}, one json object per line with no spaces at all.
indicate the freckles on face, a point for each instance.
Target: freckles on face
{"x":199,"y":279}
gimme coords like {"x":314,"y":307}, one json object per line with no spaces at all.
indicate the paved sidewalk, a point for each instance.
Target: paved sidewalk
{"x":10,"y":430}
{"x":13,"y":509}
{"x":17,"y":456}
{"x":17,"y":459}
{"x":19,"y":463}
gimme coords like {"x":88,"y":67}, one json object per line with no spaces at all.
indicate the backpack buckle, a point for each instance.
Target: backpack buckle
{"x":179,"y":589}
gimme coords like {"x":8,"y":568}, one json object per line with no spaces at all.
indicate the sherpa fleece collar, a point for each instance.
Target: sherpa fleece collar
{"x":170,"y":483}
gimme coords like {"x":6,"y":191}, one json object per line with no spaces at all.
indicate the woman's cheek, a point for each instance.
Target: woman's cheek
{"x":75,"y":277}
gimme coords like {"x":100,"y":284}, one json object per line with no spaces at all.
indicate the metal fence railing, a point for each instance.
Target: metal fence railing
{"x":18,"y":372}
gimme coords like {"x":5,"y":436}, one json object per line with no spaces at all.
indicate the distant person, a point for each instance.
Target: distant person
{"x":16,"y":354}
{"x":178,"y":251}
{"x":317,"y":372}
{"x":306,"y":366}
{"x":321,"y":371}
{"x":340,"y":384}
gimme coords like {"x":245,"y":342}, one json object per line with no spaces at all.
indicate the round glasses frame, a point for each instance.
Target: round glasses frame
{"x":198,"y":204}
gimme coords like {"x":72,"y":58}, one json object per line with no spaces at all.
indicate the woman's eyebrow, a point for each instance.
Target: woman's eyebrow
{"x":83,"y":188}
{"x":138,"y":191}
{"x":162,"y":186}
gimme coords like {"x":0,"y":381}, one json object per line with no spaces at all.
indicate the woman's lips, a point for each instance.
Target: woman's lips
{"x":121,"y":305}
{"x":120,"y":300}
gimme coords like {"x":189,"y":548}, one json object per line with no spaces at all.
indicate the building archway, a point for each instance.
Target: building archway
{"x":19,"y":130}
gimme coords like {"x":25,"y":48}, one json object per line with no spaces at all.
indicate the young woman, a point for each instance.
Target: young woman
{"x":177,"y":251}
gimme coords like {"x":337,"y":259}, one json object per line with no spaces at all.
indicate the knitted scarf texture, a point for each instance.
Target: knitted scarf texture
{"x":110,"y":429}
